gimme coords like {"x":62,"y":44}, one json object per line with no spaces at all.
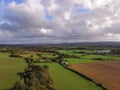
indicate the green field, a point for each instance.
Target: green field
{"x":85,"y":58}
{"x":9,"y":69}
{"x":78,"y":61}
{"x":105,"y":57}
{"x":72,"y":51}
{"x":63,"y":78}
{"x":49,"y":55}
{"x":67,"y":80}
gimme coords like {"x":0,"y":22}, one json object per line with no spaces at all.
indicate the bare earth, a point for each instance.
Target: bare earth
{"x":105,"y":73}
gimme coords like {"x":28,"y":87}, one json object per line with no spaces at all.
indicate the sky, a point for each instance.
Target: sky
{"x":59,"y":21}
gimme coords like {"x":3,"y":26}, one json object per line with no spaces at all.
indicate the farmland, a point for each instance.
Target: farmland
{"x":78,"y":61}
{"x":84,"y":57}
{"x":23,"y":66}
{"x":9,"y":69}
{"x":104,"y":73}
{"x":68,"y":80}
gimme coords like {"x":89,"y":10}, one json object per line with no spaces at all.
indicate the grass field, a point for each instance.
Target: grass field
{"x":105,"y":57}
{"x":48,"y":55}
{"x":85,"y":58}
{"x":68,"y":80}
{"x":78,"y":61}
{"x":9,"y":67}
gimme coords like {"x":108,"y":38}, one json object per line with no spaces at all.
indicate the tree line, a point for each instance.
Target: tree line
{"x":34,"y":77}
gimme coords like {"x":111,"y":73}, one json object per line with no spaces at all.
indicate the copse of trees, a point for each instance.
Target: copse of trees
{"x":35,"y":77}
{"x":15,"y":54}
{"x":66,"y":55}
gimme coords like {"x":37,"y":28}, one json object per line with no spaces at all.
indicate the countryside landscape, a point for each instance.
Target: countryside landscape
{"x":85,"y":66}
{"x":59,"y":44}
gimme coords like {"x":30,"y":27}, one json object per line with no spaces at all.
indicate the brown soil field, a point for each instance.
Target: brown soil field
{"x":105,"y":73}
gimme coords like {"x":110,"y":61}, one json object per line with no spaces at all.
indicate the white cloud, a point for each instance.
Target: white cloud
{"x":67,"y":16}
{"x":45,"y":31}
{"x":64,"y":22}
{"x":110,"y":34}
{"x":93,"y":4}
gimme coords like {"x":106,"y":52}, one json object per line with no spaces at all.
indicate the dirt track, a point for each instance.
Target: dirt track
{"x":105,"y":73}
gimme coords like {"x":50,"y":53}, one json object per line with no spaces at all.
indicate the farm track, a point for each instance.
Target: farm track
{"x":105,"y":73}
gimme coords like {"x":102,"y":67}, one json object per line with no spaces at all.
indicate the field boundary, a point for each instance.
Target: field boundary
{"x":82,"y":75}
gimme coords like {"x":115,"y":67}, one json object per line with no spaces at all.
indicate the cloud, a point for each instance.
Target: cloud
{"x":57,"y":21}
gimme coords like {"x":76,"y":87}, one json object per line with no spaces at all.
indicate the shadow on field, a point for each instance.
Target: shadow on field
{"x":20,"y":74}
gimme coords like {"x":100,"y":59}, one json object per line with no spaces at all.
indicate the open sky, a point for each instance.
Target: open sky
{"x":59,"y":21}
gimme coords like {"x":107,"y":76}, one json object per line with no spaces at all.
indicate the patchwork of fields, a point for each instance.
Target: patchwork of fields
{"x":63,"y":78}
{"x":84,"y":55}
{"x":9,"y":69}
{"x":67,"y":80}
{"x":86,"y":58}
{"x":105,"y":73}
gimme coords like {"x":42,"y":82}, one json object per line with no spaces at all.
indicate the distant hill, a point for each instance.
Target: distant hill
{"x":68,"y":44}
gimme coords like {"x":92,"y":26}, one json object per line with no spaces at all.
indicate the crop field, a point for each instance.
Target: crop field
{"x":104,"y":73}
{"x":9,"y":69}
{"x":67,"y":80}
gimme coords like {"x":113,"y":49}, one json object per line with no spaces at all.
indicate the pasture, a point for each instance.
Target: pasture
{"x":9,"y":69}
{"x":104,"y":57}
{"x":78,"y":61}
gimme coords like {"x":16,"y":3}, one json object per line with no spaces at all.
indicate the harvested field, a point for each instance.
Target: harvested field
{"x":105,"y":73}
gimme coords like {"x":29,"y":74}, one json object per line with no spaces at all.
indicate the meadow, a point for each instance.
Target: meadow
{"x":9,"y":69}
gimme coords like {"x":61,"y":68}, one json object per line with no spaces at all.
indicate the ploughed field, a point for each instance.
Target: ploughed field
{"x":104,"y":73}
